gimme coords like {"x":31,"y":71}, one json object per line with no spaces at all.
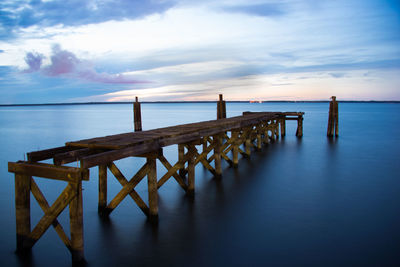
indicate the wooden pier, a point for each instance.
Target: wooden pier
{"x":207,"y":142}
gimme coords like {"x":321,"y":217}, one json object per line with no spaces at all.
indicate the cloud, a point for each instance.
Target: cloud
{"x":15,"y":14}
{"x":64,"y":63}
{"x":262,"y":10}
{"x":34,"y":61}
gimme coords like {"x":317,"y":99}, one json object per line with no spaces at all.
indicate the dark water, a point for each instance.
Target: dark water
{"x":309,"y":201}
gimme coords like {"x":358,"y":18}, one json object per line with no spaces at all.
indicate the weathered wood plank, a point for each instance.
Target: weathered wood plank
{"x":50,"y":171}
{"x":36,"y":156}
{"x":74,"y":155}
{"x":105,"y":157}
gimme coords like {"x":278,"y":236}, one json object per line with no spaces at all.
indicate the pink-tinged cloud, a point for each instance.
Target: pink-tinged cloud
{"x":64,"y":63}
{"x":34,"y":61}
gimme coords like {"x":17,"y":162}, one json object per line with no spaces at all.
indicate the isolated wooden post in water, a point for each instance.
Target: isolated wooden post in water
{"x":221,"y":108}
{"x":333,"y":120}
{"x":137,"y":117}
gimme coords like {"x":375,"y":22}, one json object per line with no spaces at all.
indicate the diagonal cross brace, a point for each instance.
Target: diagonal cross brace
{"x":45,"y":207}
{"x":50,"y":215}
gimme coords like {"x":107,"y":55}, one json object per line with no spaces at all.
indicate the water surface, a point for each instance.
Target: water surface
{"x":308,"y":201}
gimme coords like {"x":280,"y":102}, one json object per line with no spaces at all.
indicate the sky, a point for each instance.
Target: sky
{"x":55,"y":51}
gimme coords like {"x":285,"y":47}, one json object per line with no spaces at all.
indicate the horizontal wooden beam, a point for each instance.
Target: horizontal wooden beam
{"x":74,"y":155}
{"x":48,"y":153}
{"x":291,"y":119}
{"x":44,"y":170}
{"x":110,"y":156}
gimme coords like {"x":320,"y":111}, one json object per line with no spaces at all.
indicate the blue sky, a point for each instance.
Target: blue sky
{"x":164,"y":50}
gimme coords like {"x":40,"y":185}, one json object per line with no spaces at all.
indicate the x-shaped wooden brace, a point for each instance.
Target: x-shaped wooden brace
{"x":71,"y":195}
{"x":128,"y":188}
{"x":190,"y":158}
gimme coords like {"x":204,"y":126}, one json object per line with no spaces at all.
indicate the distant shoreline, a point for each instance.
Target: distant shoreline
{"x":183,"y":102}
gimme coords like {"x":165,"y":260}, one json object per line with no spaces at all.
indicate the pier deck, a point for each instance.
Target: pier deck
{"x":224,"y":139}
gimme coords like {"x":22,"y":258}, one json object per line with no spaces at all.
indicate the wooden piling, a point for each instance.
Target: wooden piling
{"x":181,"y":154}
{"x":152,"y":188}
{"x":23,"y":209}
{"x":137,"y":116}
{"x":76,"y":223}
{"x":191,"y":172}
{"x":217,"y":154}
{"x":283,"y":127}
{"x":102,"y":189}
{"x":299,"y":132}
{"x":235,"y":148}
{"x":333,"y":120}
{"x":221,"y":108}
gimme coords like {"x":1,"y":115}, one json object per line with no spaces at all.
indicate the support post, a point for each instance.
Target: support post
{"x":76,"y":224}
{"x":333,"y":120}
{"x":22,"y":209}
{"x":221,"y":108}
{"x":137,"y":116}
{"x":235,"y":148}
{"x":217,"y":154}
{"x":152,"y":188}
{"x":102,"y":189}
{"x":191,"y":173}
{"x":247,"y":143}
{"x":181,"y":154}
{"x":259,"y":141}
{"x":276,"y":131}
{"x":299,"y":131}
{"x":283,"y":126}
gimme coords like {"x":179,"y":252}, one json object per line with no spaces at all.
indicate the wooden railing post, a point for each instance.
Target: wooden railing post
{"x":333,"y":120}
{"x":221,"y":108}
{"x":22,"y":209}
{"x":137,"y":117}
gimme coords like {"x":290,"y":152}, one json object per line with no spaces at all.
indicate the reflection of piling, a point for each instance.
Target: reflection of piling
{"x":333,"y":121}
{"x":137,"y":117}
{"x":221,"y":108}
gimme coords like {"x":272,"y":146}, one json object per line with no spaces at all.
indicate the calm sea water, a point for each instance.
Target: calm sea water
{"x":309,"y":201}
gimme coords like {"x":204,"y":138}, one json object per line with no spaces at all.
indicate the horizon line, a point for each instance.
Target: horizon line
{"x":205,"y":101}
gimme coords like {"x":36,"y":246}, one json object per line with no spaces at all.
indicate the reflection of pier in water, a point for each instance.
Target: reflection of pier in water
{"x":201,"y":142}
